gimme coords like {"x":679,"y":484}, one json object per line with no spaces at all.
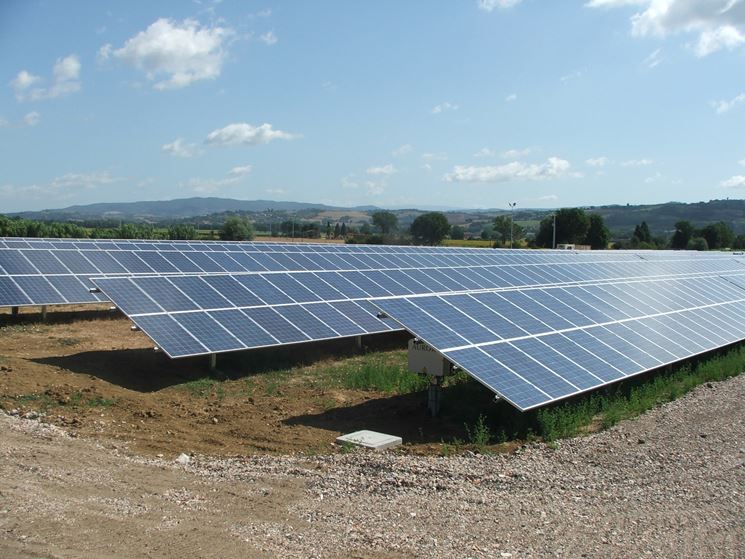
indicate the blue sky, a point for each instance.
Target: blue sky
{"x":394,"y":104}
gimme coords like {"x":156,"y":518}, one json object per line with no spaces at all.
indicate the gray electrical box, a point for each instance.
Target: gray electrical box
{"x":424,"y":360}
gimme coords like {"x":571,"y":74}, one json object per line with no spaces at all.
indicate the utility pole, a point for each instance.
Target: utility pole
{"x":512,"y":219}
{"x":553,"y":244}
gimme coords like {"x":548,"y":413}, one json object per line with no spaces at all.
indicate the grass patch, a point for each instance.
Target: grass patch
{"x":42,"y":401}
{"x":68,"y":342}
{"x":201,"y":388}
{"x":377,"y":372}
{"x":635,"y":396}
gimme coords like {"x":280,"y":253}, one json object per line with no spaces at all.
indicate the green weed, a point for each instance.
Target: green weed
{"x":480,"y":435}
{"x":200,"y":388}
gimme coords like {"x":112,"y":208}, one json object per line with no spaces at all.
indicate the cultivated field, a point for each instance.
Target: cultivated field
{"x":94,"y":421}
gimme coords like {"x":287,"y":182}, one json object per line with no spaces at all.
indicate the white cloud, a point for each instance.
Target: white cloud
{"x":32,"y":118}
{"x":654,"y":59}
{"x":742,"y":162}
{"x":446,"y":106}
{"x":84,"y":180}
{"x":349,"y":182}
{"x":490,"y":5}
{"x":65,"y":80}
{"x":22,"y":82}
{"x":514,"y":171}
{"x":601,"y":161}
{"x":382,"y":170}
{"x":375,"y":188}
{"x":737,"y":181}
{"x":182,"y":52}
{"x":511,"y":97}
{"x":614,"y":3}
{"x":485,"y":152}
{"x":401,"y":150}
{"x":722,"y":107}
{"x":208,"y":186}
{"x":548,"y":198}
{"x":717,"y":22}
{"x":179,"y":148}
{"x":275,"y":191}
{"x":434,"y":157}
{"x":240,"y":171}
{"x":654,"y":178}
{"x":710,"y":41}
{"x":241,"y":133}
{"x":515,"y":153}
{"x":637,"y":163}
{"x":269,"y":38}
{"x":566,"y":78}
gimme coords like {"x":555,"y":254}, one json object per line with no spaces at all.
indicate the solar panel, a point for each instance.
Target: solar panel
{"x":466,"y":268}
{"x":482,"y":316}
{"x":534,"y":362}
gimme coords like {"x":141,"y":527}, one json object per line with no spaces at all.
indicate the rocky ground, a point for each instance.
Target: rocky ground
{"x":669,"y":484}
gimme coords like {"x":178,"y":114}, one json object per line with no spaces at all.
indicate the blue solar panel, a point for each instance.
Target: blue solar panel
{"x":10,"y":294}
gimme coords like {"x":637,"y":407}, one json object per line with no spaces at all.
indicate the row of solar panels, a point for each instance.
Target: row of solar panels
{"x":165,"y":302}
{"x":534,"y":326}
{"x":311,"y":248}
{"x":59,"y":277}
{"x":543,"y":345}
{"x":529,"y":345}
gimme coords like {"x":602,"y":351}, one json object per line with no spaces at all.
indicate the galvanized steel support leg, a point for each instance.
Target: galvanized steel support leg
{"x":14,"y":311}
{"x":43,"y":313}
{"x":358,"y":341}
{"x":213,"y":362}
{"x":434,"y":395}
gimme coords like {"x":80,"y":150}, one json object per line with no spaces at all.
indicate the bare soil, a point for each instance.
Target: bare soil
{"x":92,"y":422}
{"x":86,"y":371}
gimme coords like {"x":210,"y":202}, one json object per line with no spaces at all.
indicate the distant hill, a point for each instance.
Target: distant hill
{"x":171,"y":209}
{"x":621,"y":220}
{"x":661,"y":218}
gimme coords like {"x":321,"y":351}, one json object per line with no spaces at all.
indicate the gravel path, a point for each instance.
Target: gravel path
{"x":669,"y":484}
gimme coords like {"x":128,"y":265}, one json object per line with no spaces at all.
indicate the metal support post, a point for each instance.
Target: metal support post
{"x":434,"y":395}
{"x":358,"y":342}
{"x":213,"y":362}
{"x":43,"y":313}
{"x":14,"y":311}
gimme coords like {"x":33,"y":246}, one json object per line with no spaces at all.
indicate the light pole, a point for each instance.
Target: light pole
{"x":553,"y":243}
{"x":512,"y":218}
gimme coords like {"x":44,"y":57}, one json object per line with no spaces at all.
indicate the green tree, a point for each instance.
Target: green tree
{"x":236,"y":228}
{"x":739,"y":242}
{"x":457,"y":233}
{"x":385,"y":221}
{"x":430,"y":228}
{"x":505,"y":229}
{"x":182,"y":232}
{"x":572,"y":225}
{"x":682,"y":236}
{"x":718,"y":235}
{"x":598,"y":235}
{"x":337,"y":230}
{"x":642,"y":233}
{"x":343,"y":230}
{"x":697,"y":243}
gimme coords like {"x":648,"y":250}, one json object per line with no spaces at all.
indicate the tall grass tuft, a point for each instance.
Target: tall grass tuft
{"x":635,"y":396}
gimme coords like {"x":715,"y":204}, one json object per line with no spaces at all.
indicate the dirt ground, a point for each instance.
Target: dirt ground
{"x":93,"y":421}
{"x":86,"y":371}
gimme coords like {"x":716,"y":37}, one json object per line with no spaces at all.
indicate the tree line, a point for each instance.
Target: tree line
{"x":565,"y":226}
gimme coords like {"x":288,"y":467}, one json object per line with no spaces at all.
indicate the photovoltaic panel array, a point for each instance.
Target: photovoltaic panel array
{"x":186,"y":315}
{"x":535,"y":346}
{"x":54,"y":271}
